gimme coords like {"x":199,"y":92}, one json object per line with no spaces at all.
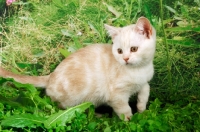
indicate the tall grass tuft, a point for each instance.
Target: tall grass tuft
{"x":168,"y":60}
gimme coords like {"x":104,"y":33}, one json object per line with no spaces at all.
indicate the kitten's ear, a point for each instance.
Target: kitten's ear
{"x":143,"y":26}
{"x":112,"y":31}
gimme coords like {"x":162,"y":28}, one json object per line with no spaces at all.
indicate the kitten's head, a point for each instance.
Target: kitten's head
{"x":133,"y":45}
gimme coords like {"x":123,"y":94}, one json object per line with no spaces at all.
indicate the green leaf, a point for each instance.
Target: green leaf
{"x":93,"y":28}
{"x":10,"y":102}
{"x":24,"y":120}
{"x":133,"y":127}
{"x":183,"y":29}
{"x":148,"y":13}
{"x":24,"y":65}
{"x":171,"y":9}
{"x":20,"y":3}
{"x":184,"y":42}
{"x":59,"y":4}
{"x":155,"y":105}
{"x":182,"y":23}
{"x":29,"y":87}
{"x":113,"y":10}
{"x":92,"y":125}
{"x":198,"y":2}
{"x":29,"y":98}
{"x":62,"y":117}
{"x":67,"y":33}
{"x":64,"y":52}
{"x":107,"y":129}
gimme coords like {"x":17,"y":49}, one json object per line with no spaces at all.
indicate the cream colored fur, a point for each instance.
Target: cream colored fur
{"x":99,"y":74}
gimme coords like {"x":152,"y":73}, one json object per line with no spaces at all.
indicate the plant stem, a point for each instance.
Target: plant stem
{"x":169,"y":76}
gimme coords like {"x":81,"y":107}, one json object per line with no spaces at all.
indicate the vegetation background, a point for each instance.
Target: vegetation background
{"x":36,"y":35}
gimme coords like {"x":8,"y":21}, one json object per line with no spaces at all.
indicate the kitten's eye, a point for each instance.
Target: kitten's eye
{"x":120,"y":51}
{"x":134,"y":49}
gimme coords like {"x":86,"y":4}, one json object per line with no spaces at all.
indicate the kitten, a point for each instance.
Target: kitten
{"x":104,"y":73}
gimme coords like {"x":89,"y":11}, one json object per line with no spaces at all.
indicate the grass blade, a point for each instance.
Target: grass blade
{"x":62,"y":117}
{"x":25,"y":120}
{"x":183,"y":29}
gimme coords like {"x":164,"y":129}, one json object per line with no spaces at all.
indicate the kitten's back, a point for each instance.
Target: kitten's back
{"x":85,"y":72}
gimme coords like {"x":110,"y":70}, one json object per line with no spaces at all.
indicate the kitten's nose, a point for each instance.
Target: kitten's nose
{"x":126,"y":59}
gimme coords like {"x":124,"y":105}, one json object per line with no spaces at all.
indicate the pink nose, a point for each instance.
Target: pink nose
{"x":126,"y":59}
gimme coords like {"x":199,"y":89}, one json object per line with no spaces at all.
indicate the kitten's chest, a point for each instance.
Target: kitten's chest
{"x":140,"y":76}
{"x":137,"y":76}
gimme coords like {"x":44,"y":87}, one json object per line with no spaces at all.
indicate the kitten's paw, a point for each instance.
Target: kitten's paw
{"x":141,"y":107}
{"x":126,"y":117}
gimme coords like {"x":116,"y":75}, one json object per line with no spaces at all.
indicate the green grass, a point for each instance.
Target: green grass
{"x":37,"y":35}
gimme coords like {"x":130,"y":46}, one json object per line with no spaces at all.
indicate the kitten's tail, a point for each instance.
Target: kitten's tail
{"x":37,"y":81}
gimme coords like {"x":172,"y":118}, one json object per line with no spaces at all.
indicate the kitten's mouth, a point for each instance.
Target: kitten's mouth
{"x":128,"y":64}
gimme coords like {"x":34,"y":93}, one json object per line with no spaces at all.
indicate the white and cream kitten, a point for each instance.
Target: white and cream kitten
{"x":104,"y":73}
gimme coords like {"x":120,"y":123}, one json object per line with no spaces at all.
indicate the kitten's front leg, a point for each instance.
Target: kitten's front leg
{"x":121,"y":107}
{"x":143,"y":96}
